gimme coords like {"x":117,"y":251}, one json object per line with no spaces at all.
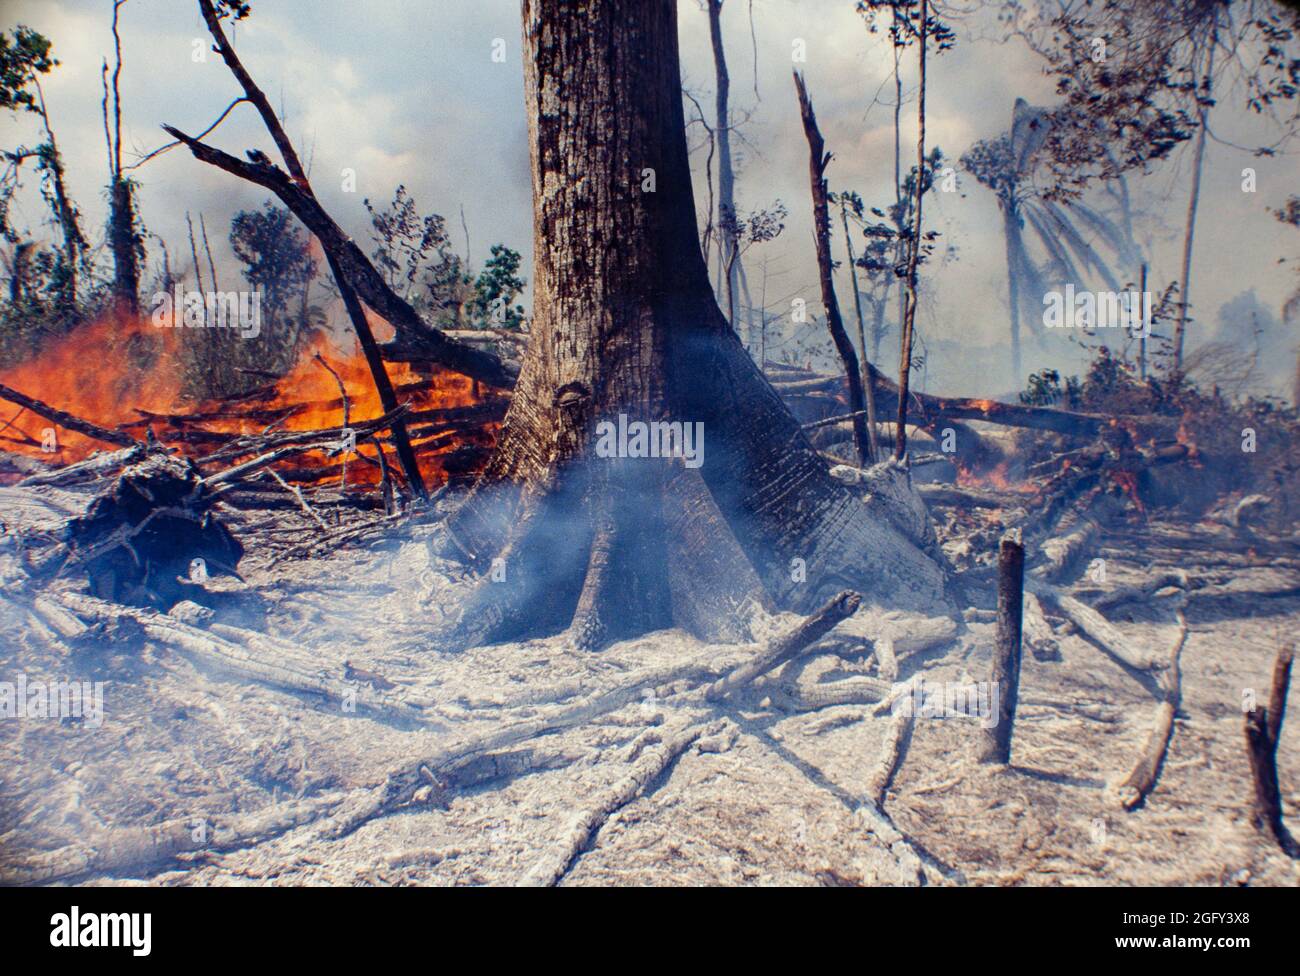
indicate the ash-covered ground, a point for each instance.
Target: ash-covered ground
{"x":257,"y":758}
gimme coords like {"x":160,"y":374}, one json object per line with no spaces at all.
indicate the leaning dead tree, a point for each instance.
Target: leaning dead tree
{"x":606,"y":546}
{"x":818,"y":159}
{"x":416,"y":339}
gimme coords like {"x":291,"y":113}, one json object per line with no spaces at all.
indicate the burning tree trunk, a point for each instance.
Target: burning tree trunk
{"x":626,"y":332}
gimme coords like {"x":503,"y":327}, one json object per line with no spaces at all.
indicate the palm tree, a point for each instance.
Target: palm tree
{"x":1006,"y":166}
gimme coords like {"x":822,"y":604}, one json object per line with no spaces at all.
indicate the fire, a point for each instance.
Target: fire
{"x":97,"y":373}
{"x":996,"y":478}
{"x":1128,"y":483}
{"x":127,"y":377}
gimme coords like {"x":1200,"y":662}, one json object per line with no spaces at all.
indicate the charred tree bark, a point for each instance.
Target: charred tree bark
{"x":818,"y":159}
{"x":121,"y":207}
{"x":626,"y":326}
{"x":1005,"y":676}
{"x":121,"y":234}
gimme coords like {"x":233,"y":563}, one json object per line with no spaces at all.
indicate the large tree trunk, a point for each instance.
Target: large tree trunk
{"x":625,"y":323}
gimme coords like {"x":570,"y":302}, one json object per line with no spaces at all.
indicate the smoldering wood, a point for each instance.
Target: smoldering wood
{"x":142,"y":535}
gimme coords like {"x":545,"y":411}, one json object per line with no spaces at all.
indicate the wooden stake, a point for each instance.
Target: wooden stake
{"x":1005,"y":672}
{"x":1263,"y":729}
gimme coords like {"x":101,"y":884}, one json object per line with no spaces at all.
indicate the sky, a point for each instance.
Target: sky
{"x":407,"y":92}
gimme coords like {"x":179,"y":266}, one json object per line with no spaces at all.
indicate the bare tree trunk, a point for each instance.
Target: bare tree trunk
{"x":913,"y":254}
{"x":298,"y":176}
{"x":74,"y":242}
{"x":726,"y":176}
{"x":1011,"y":235}
{"x":898,"y":173}
{"x":121,"y":233}
{"x":626,"y":329}
{"x":121,"y":211}
{"x":818,"y":159}
{"x":868,"y":385}
{"x":1004,"y":676}
{"x":1198,"y":160}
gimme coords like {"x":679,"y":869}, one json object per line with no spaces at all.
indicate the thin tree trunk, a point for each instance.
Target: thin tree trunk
{"x":121,"y":232}
{"x":914,"y":253}
{"x":1004,"y":675}
{"x":298,"y":175}
{"x":1011,"y":235}
{"x":121,"y":213}
{"x":898,"y":174}
{"x":1198,"y":160}
{"x":74,"y":242}
{"x":730,"y":257}
{"x":868,"y":385}
{"x":818,"y":159}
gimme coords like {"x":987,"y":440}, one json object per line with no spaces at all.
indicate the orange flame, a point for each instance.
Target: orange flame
{"x":127,"y":376}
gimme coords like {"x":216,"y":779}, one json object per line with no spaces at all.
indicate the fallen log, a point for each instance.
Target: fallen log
{"x":142,"y":850}
{"x":1134,"y":788}
{"x":253,"y":656}
{"x":845,"y":604}
{"x":401,"y":784}
{"x":1103,"y":635}
{"x":1038,"y":634}
{"x":95,"y":466}
{"x":651,"y":764}
{"x":892,"y":751}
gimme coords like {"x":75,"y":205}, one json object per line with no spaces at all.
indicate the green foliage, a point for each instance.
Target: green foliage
{"x":415,"y":256}
{"x":1045,"y":390}
{"x":497,"y":286}
{"x":274,"y":250}
{"x":22,"y":57}
{"x":902,"y":20}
